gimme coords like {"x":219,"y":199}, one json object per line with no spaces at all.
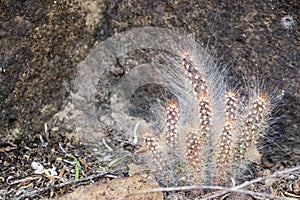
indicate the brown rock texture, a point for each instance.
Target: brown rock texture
{"x":122,"y":188}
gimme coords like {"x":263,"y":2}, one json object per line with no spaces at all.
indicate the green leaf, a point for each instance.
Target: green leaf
{"x":77,"y":166}
{"x":116,"y":161}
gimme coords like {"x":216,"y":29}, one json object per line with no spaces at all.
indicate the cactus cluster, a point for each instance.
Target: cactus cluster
{"x":211,"y":147}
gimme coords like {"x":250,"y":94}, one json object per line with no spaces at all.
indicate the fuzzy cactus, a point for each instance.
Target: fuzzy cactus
{"x":212,"y":147}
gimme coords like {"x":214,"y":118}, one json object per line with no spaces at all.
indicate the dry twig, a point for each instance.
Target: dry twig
{"x":224,"y":190}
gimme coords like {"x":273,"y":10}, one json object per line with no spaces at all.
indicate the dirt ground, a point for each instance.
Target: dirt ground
{"x":43,"y":42}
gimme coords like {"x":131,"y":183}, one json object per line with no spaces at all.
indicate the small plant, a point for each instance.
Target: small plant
{"x":161,"y":87}
{"x":209,"y":143}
